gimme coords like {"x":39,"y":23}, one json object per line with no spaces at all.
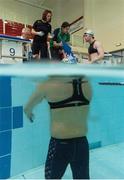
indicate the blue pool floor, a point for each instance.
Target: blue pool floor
{"x":105,"y":163}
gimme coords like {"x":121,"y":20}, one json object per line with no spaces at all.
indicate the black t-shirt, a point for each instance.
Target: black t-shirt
{"x":39,"y":25}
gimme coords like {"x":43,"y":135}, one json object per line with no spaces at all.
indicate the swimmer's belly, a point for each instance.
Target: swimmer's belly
{"x":94,"y":56}
{"x":69,"y":122}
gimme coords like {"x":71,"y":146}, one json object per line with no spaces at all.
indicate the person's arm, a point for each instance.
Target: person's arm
{"x":35,"y":99}
{"x":89,"y":58}
{"x":56,"y":44}
{"x":34,"y":30}
{"x":40,"y":33}
{"x":100,"y":50}
{"x":49,"y":36}
{"x":68,"y":40}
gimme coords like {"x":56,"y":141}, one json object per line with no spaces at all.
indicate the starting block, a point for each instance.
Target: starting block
{"x":11,"y":49}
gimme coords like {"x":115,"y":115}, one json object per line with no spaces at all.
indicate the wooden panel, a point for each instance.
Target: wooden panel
{"x":1,"y":26}
{"x":13,"y":28}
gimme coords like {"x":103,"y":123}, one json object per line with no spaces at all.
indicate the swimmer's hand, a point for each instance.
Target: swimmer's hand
{"x":29,"y":114}
{"x":41,"y":33}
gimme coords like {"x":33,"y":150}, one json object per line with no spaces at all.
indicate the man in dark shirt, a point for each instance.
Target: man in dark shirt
{"x":60,"y":36}
{"x":41,"y":30}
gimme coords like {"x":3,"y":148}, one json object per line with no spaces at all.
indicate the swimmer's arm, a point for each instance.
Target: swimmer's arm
{"x":89,"y":58}
{"x":87,"y":90}
{"x":35,"y":99}
{"x":100,"y":50}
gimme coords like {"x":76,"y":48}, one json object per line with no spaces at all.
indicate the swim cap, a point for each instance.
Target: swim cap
{"x":90,"y":32}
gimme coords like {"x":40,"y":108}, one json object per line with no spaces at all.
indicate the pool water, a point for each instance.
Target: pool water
{"x":23,"y":145}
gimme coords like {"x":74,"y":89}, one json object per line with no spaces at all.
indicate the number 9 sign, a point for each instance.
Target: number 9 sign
{"x":12,"y":51}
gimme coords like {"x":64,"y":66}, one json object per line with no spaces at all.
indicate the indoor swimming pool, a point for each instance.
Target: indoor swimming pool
{"x":24,"y":145}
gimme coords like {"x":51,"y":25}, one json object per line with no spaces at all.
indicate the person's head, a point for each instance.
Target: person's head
{"x":47,"y":15}
{"x":26,"y":33}
{"x":88,"y":35}
{"x":65,"y":27}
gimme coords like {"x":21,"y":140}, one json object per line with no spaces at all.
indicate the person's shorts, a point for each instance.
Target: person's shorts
{"x":62,"y":152}
{"x":40,"y":48}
